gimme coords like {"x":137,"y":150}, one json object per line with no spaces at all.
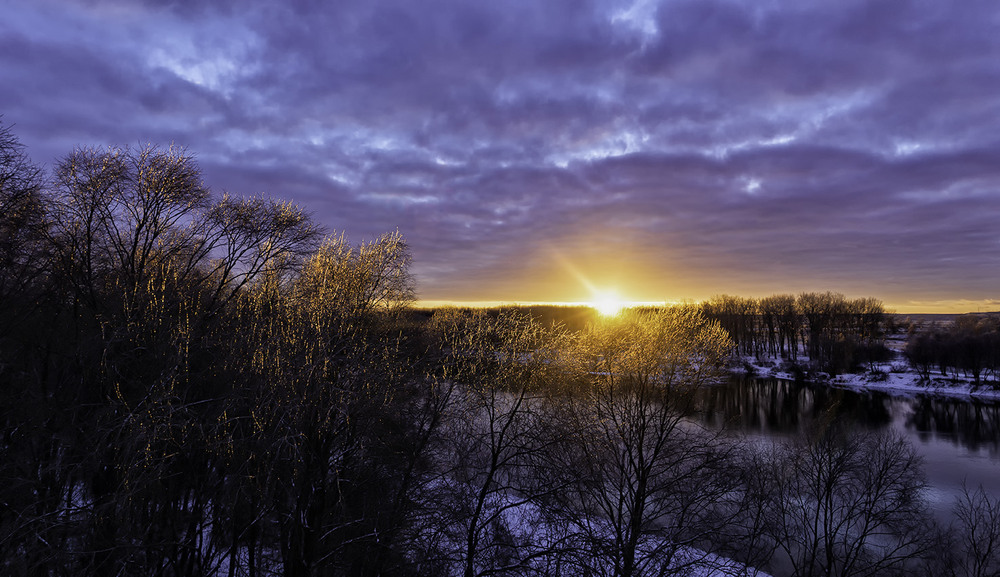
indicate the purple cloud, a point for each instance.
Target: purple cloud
{"x":679,"y":148}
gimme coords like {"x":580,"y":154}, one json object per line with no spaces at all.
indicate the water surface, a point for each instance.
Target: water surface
{"x":958,"y":438}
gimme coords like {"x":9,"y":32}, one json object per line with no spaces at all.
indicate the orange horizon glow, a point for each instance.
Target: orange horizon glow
{"x":920,"y":308}
{"x":575,"y":272}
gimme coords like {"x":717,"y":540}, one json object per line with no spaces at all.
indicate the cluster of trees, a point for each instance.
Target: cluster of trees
{"x":836,"y":333}
{"x":190,"y":383}
{"x":969,"y":345}
{"x":196,"y":385}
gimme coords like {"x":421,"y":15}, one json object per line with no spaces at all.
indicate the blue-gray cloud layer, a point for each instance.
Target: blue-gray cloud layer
{"x":702,"y":145}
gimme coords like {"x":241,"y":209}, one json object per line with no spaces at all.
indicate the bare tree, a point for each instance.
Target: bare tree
{"x":844,"y":504}
{"x":23,"y":222}
{"x":133,"y":347}
{"x":486,"y":505}
{"x":330,"y":397}
{"x":644,"y":481}
{"x":30,"y":486}
{"x":739,"y":316}
{"x":244,"y":238}
{"x":976,"y":531}
{"x":782,"y":322}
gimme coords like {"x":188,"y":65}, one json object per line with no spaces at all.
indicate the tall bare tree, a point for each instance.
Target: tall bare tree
{"x":23,"y":223}
{"x":645,"y":481}
{"x":485,"y":519}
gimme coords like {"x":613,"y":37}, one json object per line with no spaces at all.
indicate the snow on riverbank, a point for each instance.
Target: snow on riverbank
{"x":897,"y":379}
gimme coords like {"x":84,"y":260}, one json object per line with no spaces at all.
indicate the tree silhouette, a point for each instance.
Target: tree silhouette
{"x":643,"y":481}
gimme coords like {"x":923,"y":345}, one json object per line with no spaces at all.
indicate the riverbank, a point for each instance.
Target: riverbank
{"x":895,"y":378}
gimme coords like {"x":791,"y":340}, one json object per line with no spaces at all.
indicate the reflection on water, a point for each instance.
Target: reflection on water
{"x":973,"y":425}
{"x":778,"y":407}
{"x":785,"y":408}
{"x":959,"y":439}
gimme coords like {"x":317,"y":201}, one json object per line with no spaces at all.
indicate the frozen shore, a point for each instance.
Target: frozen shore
{"x":896,"y":378}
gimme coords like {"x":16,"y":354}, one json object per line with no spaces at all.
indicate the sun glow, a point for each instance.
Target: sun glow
{"x":607,"y":304}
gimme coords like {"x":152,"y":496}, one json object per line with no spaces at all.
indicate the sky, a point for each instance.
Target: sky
{"x":555,"y":150}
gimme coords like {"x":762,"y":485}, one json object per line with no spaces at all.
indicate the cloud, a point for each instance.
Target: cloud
{"x":683,"y":146}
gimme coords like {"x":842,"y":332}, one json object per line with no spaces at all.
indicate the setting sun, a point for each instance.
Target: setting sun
{"x":607,"y":304}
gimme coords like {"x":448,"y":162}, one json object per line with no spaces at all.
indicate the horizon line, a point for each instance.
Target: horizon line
{"x":441,"y":303}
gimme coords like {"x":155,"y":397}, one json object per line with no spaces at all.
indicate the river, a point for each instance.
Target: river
{"x":959,"y":439}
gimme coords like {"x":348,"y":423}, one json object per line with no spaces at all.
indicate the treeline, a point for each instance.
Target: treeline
{"x":203,"y":385}
{"x":835,"y":333}
{"x":969,"y":345}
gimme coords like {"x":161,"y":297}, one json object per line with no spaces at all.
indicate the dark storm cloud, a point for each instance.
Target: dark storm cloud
{"x":746,"y":146}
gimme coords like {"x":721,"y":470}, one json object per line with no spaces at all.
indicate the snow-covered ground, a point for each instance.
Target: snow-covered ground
{"x":896,"y":378}
{"x":525,"y":523}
